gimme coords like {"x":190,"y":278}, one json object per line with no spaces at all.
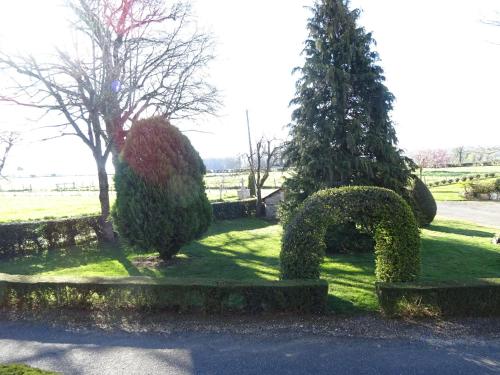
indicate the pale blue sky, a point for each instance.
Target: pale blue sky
{"x":441,"y":63}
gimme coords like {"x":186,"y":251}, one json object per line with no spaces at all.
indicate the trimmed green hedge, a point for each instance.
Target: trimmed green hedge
{"x":174,"y":294}
{"x":394,"y":228}
{"x":19,"y":239}
{"x":234,"y":210}
{"x":479,"y":297}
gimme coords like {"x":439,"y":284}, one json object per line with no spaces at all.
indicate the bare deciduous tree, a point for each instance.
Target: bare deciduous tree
{"x":460,"y":154}
{"x":7,"y":140}
{"x":263,"y":159}
{"x":131,"y":57}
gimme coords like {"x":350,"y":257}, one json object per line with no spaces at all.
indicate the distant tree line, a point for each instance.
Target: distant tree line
{"x":458,"y":156}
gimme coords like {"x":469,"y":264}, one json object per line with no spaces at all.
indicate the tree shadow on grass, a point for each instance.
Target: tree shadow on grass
{"x":229,"y":256}
{"x":460,"y":231}
{"x":350,"y":272}
{"x":94,"y":254}
{"x":452,"y":259}
{"x":66,"y":258}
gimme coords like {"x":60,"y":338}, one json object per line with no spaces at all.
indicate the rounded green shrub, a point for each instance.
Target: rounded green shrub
{"x":394,"y":228}
{"x":160,"y":194}
{"x":422,"y":202}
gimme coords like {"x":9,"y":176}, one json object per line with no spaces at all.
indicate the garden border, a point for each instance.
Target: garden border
{"x":479,"y":297}
{"x":209,"y":296}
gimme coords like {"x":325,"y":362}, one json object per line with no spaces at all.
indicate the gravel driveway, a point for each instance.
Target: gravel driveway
{"x":483,"y":213}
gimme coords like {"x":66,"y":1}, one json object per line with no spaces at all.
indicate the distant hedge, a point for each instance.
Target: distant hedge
{"x":479,"y":297}
{"x":19,"y":239}
{"x":174,"y":294}
{"x":28,"y":238}
{"x":393,"y":226}
{"x":234,"y":210}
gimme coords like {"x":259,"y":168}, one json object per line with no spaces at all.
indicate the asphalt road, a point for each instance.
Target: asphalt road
{"x":95,"y":352}
{"x":483,"y":213}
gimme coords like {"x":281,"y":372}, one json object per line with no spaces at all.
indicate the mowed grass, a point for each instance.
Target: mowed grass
{"x":452,"y":192}
{"x":249,"y":249}
{"x":35,"y":206}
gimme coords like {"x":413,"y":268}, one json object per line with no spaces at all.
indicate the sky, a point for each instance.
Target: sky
{"x":440,"y":60}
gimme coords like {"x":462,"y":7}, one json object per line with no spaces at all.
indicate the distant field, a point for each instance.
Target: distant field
{"x":215,"y":180}
{"x":51,"y":204}
{"x":42,"y":205}
{"x":89,"y":182}
{"x":438,"y":174}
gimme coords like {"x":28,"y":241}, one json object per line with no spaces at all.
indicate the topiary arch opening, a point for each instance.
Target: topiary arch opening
{"x":394,"y":228}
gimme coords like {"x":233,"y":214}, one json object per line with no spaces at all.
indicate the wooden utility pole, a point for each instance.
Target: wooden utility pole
{"x":250,"y":158}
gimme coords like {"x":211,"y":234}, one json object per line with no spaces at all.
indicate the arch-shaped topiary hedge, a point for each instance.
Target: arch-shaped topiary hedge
{"x":394,"y":227}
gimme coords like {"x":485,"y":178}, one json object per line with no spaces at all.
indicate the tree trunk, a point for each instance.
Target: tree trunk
{"x":261,"y":211}
{"x":107,"y":234}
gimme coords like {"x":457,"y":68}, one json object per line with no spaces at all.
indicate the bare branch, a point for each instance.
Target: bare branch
{"x":7,"y":141}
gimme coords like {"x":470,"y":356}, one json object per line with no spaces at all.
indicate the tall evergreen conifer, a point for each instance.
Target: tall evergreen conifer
{"x":341,"y":131}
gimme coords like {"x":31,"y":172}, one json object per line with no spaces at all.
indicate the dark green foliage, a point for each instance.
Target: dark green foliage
{"x":182,"y":295}
{"x":341,"y":131}
{"x":394,"y":229}
{"x":21,"y":369}
{"x":422,"y":202}
{"x":348,"y":238}
{"x":251,"y":184}
{"x":161,"y":202}
{"x":234,"y":210}
{"x":446,"y":298}
{"x":19,"y":239}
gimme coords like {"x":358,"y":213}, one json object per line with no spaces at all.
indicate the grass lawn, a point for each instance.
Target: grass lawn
{"x":452,"y":192}
{"x":249,"y":249}
{"x":36,"y":206}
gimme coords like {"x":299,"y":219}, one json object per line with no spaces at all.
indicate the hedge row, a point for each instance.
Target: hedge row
{"x":179,"y":295}
{"x":19,"y":239}
{"x":479,"y":297}
{"x":234,"y":210}
{"x":460,"y":179}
